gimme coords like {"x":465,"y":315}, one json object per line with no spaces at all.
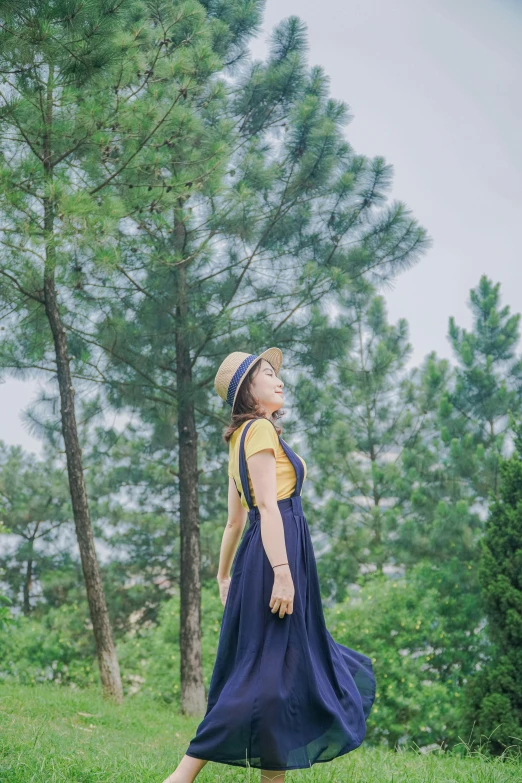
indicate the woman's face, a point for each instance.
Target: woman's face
{"x":267,"y":388}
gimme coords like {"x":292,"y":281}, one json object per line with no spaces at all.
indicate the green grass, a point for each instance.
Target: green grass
{"x":45,"y":738}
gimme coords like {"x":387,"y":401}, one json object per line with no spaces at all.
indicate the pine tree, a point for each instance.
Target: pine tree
{"x":365,"y":419}
{"x":488,"y":386}
{"x":87,"y":87}
{"x":55,"y":58}
{"x":494,"y":694}
{"x":453,"y":468}
{"x":71,"y":79}
{"x":449,"y":475}
{"x":440,"y":526}
{"x":36,"y":506}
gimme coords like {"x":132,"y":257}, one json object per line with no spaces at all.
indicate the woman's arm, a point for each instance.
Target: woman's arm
{"x":262,"y":467}
{"x":231,"y":535}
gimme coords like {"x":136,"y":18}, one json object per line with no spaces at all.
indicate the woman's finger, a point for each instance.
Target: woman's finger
{"x":283,"y":608}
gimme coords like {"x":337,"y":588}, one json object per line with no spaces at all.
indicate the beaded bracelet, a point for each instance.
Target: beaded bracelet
{"x":279,"y":564}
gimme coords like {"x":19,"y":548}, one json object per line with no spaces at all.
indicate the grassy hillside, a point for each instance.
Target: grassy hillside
{"x":50,"y":734}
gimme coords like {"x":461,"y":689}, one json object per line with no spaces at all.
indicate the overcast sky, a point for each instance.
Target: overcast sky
{"x":434,"y":88}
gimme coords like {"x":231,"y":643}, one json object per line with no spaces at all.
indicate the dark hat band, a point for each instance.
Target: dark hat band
{"x":234,"y":383}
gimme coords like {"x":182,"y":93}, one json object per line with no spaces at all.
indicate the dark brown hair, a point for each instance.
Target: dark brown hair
{"x":246,"y":406}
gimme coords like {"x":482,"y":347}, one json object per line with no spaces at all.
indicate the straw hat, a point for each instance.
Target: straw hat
{"x":234,"y":368}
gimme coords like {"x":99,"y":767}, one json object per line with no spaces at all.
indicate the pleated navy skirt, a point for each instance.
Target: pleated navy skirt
{"x":283,"y":694}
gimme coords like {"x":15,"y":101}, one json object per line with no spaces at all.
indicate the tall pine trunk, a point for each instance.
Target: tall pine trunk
{"x":105,"y":649}
{"x":28,"y":579}
{"x":191,"y":671}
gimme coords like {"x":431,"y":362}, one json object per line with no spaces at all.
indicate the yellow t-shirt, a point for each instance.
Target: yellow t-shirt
{"x":262,"y":435}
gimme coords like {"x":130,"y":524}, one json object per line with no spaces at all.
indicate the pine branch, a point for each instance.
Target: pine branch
{"x":21,"y":288}
{"x":142,"y":145}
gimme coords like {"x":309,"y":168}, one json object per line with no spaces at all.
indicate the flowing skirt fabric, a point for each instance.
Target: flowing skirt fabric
{"x":283,"y":694}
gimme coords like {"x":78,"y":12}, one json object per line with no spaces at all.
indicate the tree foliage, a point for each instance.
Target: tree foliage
{"x":494,"y":692}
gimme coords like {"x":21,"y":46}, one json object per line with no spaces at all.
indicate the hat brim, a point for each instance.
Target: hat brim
{"x":273,"y":356}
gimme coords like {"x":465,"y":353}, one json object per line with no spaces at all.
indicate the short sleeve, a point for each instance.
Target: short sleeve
{"x":261,"y":435}
{"x":230,"y":473}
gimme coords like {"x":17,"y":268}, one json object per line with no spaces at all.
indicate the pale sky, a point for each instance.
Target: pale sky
{"x":434,"y":88}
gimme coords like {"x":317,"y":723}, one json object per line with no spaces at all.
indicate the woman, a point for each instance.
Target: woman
{"x":283,"y":694}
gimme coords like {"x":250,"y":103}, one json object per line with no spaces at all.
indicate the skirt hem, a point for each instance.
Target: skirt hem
{"x":273,"y":769}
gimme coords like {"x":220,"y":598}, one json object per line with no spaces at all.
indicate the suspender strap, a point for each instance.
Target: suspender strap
{"x":243,"y":469}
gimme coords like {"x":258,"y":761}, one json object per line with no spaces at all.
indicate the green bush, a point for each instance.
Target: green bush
{"x":400,"y":625}
{"x":6,"y":617}
{"x":58,"y":647}
{"x":149,"y":657}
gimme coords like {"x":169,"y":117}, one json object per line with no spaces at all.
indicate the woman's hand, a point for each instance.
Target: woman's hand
{"x":282,"y":599}
{"x":224,"y":583}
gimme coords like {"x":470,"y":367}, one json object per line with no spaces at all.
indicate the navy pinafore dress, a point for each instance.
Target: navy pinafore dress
{"x":283,"y":694}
